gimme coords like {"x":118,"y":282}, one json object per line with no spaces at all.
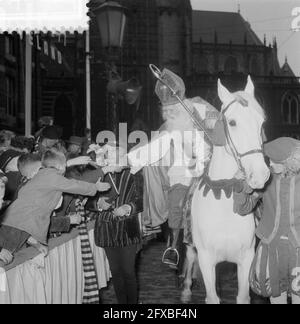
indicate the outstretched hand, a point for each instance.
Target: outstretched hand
{"x":102,"y":186}
{"x":80,"y":160}
{"x":112,"y":169}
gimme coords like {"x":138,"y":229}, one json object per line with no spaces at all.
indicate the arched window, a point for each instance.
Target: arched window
{"x":290,"y":109}
{"x":231,"y":65}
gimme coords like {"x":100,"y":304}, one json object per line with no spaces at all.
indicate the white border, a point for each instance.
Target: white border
{"x":43,"y":15}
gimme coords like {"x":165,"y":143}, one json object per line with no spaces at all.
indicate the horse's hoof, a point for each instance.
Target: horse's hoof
{"x":186,"y":298}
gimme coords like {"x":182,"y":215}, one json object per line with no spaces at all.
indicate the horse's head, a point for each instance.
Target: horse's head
{"x":243,"y":119}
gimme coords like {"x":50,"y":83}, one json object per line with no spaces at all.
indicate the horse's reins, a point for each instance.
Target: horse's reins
{"x":237,"y":156}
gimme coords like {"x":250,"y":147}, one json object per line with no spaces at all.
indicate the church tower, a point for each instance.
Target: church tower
{"x":175,"y":35}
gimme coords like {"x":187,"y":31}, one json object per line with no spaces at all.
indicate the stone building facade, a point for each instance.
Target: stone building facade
{"x":201,"y":46}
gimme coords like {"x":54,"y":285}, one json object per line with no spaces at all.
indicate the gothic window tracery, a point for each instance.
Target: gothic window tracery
{"x":290,"y":109}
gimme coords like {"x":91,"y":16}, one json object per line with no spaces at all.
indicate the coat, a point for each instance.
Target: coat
{"x":111,"y":231}
{"x":32,"y":210}
{"x":281,"y":211}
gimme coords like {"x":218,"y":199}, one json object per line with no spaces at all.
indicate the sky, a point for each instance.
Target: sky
{"x":270,"y":17}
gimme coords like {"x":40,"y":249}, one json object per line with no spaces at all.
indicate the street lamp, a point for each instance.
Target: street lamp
{"x":111,"y":20}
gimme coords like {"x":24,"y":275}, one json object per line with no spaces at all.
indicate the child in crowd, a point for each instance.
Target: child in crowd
{"x":29,"y":165}
{"x":275,"y":269}
{"x":27,"y":219}
{"x":5,"y":140}
{"x":23,"y":144}
{"x":74,"y":147}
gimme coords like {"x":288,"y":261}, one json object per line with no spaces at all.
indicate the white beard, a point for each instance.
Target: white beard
{"x":177,"y":118}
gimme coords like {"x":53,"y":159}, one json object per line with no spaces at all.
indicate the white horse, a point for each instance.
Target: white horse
{"x":218,"y":233}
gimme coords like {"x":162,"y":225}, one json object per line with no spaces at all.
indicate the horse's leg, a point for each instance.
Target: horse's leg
{"x":186,"y":294}
{"x":207,"y":265}
{"x":243,"y":277}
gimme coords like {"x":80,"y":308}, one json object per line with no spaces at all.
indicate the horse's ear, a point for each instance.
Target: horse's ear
{"x":223,"y":93}
{"x":250,"y":86}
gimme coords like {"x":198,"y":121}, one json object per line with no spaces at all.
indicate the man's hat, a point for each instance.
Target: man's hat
{"x":281,"y":149}
{"x":76,"y":140}
{"x":51,"y":132}
{"x":164,"y":93}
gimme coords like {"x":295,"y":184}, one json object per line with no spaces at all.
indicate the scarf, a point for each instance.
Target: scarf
{"x":91,"y":289}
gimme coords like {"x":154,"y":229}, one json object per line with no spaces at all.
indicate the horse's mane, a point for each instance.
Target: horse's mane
{"x":245,"y":99}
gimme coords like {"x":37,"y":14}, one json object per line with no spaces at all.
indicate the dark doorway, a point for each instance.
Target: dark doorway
{"x":63,"y":115}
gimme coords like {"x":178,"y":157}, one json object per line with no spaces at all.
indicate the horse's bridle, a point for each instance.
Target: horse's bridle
{"x":237,"y":156}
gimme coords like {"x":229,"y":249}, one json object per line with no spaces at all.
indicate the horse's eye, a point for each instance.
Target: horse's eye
{"x":232,"y":123}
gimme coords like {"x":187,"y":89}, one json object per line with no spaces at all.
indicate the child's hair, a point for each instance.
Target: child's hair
{"x":23,"y":142}
{"x":5,"y":136}
{"x":292,"y":164}
{"x":54,"y":159}
{"x":26,"y":162}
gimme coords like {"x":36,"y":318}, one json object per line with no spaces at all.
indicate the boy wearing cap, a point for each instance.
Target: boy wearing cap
{"x":75,"y":146}
{"x":275,"y":269}
{"x":49,"y":138}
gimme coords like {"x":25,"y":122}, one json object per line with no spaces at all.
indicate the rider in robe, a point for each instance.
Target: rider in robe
{"x":179,"y":151}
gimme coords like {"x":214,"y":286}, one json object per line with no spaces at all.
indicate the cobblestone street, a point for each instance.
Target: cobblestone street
{"x":159,"y":285}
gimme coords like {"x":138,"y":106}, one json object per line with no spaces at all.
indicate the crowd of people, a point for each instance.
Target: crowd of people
{"x":43,"y":178}
{"x":45,"y":182}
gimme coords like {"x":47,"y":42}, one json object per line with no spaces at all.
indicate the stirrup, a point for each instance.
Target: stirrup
{"x":167,"y":261}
